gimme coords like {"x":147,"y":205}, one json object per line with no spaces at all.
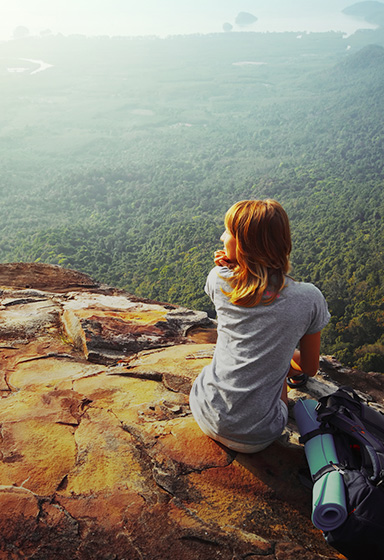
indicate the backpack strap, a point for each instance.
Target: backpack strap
{"x":313,"y":433}
{"x":330,"y":467}
{"x":348,"y":422}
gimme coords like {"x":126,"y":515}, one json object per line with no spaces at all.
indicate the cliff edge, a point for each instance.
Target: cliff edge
{"x":100,"y":456}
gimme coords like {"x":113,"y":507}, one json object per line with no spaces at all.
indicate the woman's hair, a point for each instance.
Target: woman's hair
{"x":263,"y":245}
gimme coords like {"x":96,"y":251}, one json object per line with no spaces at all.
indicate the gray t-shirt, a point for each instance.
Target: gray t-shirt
{"x":237,"y":395}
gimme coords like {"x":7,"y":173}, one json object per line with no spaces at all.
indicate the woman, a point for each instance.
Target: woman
{"x":240,"y":399}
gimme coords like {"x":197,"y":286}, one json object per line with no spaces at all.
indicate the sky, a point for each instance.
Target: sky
{"x":170,"y":17}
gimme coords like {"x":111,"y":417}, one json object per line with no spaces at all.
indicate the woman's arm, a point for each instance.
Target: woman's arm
{"x":306,"y":360}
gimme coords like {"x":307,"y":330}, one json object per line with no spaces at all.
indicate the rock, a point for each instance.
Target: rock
{"x":100,"y":457}
{"x":184,"y":319}
{"x":371,"y":384}
{"x":42,"y":276}
{"x":24,"y":317}
{"x":108,"y":328}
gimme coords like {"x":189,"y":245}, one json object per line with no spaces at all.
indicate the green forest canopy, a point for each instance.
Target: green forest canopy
{"x":121,"y":158}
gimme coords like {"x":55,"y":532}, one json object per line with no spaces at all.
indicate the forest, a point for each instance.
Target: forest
{"x":120,"y":157}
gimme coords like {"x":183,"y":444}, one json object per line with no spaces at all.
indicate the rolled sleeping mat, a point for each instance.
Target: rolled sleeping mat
{"x":329,"y":509}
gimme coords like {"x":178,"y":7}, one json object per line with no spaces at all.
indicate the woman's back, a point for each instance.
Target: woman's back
{"x":239,"y":392}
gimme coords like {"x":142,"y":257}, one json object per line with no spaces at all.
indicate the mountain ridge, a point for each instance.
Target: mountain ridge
{"x":364,"y":61}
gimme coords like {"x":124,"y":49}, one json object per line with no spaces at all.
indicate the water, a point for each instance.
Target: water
{"x":174,"y":17}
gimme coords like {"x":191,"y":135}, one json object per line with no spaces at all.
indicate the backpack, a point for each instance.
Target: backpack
{"x":358,"y":433}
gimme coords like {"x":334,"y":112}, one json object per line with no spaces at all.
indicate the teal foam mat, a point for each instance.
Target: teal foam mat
{"x":328,"y":496}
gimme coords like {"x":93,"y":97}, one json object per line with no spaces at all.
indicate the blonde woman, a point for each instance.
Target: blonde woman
{"x":268,"y":331}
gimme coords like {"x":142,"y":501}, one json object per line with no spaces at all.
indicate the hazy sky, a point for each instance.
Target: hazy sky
{"x":164,"y":17}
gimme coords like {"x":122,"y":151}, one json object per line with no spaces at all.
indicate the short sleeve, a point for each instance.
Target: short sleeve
{"x":320,"y":314}
{"x":211,"y":283}
{"x":213,"y":280}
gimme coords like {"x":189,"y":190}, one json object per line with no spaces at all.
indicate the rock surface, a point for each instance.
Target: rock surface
{"x":100,"y":457}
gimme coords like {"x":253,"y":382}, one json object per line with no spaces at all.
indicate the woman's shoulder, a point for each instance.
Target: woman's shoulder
{"x":308,"y":298}
{"x":217,"y":279}
{"x":304,"y":288}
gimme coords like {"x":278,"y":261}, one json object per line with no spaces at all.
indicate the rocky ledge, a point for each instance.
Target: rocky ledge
{"x":100,"y":456}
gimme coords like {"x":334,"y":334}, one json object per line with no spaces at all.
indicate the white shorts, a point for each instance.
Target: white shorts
{"x":242,"y":447}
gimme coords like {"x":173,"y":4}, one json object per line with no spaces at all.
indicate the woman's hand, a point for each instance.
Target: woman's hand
{"x":221,"y":259}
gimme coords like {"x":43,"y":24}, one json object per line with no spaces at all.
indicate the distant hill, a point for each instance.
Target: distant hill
{"x":245,"y":18}
{"x":368,"y":58}
{"x":361,"y":71}
{"x":371,"y":11}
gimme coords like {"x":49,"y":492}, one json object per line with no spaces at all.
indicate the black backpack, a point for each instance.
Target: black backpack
{"x":358,"y":432}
